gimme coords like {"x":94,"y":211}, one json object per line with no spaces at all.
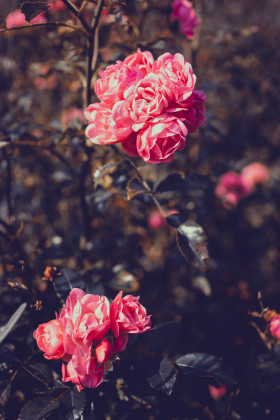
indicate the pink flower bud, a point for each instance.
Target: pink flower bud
{"x":49,"y":337}
{"x":255,"y":173}
{"x":275,"y":327}
{"x":217,"y":392}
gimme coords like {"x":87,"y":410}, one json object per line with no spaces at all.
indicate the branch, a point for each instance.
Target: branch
{"x":76,"y":12}
{"x":141,"y":179}
{"x":37,"y":25}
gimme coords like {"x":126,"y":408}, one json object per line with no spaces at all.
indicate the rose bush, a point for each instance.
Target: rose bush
{"x":148,"y":106}
{"x":89,"y":332}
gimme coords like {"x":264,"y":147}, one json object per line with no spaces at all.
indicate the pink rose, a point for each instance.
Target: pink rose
{"x":151,"y":96}
{"x":195,"y":117}
{"x":83,"y":371}
{"x":17,"y":18}
{"x":275,"y":327}
{"x":255,"y":173}
{"x":100,"y":128}
{"x":129,"y":145}
{"x":85,"y":318}
{"x":184,"y":12}
{"x":179,"y":73}
{"x":231,"y":189}
{"x":114,"y":81}
{"x":160,"y":138}
{"x":128,"y":315}
{"x":49,"y":337}
{"x":140,"y":61}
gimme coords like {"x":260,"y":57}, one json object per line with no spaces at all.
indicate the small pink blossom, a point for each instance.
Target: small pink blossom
{"x":255,"y":173}
{"x":128,"y":315}
{"x":140,"y":61}
{"x":217,"y":392}
{"x":49,"y":337}
{"x":160,"y":138}
{"x":231,"y":189}
{"x":184,"y":12}
{"x":17,"y":18}
{"x":275,"y":327}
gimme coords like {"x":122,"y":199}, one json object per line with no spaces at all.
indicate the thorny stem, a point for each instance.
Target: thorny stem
{"x":141,"y":179}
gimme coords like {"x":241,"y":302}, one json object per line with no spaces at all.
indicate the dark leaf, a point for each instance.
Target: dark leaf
{"x":39,"y":408}
{"x":173,"y":182}
{"x":269,"y":372}
{"x":174,"y":220}
{"x":3,"y":23}
{"x":161,"y":375}
{"x":95,"y":288}
{"x":192,"y":243}
{"x":7,"y":328}
{"x":163,"y":334}
{"x":73,"y":403}
{"x":134,"y":188}
{"x":207,"y":366}
{"x":32,"y":9}
{"x":41,"y":372}
{"x":5,"y":390}
{"x":68,"y":280}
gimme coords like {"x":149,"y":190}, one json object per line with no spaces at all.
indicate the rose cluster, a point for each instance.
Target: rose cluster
{"x":232,"y":187}
{"x":148,"y":105}
{"x":88,"y":334}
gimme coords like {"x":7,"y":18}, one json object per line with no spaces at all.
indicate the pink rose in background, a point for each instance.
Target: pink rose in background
{"x":128,"y":316}
{"x":184,"y":12}
{"x":160,"y":138}
{"x":89,"y":333}
{"x":255,"y":173}
{"x":275,"y":327}
{"x":17,"y":18}
{"x":70,"y":114}
{"x":49,"y":337}
{"x":231,"y":189}
{"x":217,"y":392}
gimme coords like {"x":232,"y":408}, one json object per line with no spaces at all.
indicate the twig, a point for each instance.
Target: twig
{"x":141,"y":179}
{"x":42,"y":25}
{"x":76,"y":12}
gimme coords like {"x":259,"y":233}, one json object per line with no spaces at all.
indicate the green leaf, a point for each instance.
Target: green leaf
{"x":73,"y":404}
{"x":41,"y":372}
{"x":163,"y":334}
